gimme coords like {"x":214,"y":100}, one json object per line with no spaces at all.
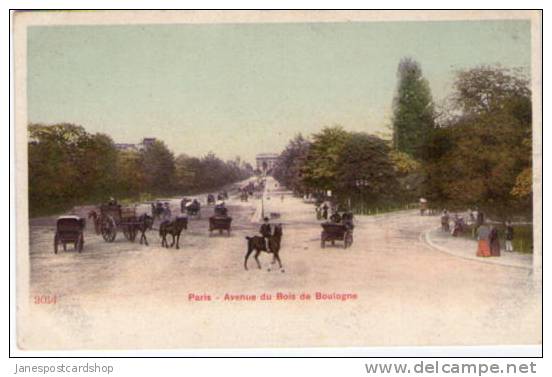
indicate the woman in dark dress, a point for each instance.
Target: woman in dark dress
{"x":495,"y":243}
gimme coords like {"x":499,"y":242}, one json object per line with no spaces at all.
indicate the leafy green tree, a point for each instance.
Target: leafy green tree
{"x":410,"y":175}
{"x":159,"y":168}
{"x":68,"y":165}
{"x":290,"y":163}
{"x":365,"y":170}
{"x":413,"y":110}
{"x":321,"y":165}
{"x":485,"y":147}
{"x":131,"y":179}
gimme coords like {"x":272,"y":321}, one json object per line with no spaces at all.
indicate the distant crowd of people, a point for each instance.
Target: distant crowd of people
{"x":488,"y":243}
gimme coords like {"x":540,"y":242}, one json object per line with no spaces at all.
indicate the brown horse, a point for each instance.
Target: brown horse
{"x":258,"y":244}
{"x":174,"y":228}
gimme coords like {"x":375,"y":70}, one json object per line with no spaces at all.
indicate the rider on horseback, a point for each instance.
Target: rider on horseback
{"x":266,"y":232}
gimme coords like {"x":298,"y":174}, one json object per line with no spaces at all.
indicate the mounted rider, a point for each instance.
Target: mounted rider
{"x":266,"y":231}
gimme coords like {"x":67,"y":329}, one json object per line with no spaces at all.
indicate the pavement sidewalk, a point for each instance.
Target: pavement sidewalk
{"x":466,"y":248}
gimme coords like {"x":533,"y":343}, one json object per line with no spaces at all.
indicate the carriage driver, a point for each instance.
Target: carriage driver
{"x":266,"y":231}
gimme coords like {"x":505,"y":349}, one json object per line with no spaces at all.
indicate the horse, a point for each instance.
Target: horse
{"x":210,"y":199}
{"x":174,"y":228}
{"x":143,"y":223}
{"x":258,"y":244}
{"x":96,"y":219}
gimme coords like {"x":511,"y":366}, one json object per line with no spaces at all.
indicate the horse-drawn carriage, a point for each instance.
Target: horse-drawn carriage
{"x":336,"y":232}
{"x":69,"y":229}
{"x":220,"y":221}
{"x":190,"y":207}
{"x":114,"y":217}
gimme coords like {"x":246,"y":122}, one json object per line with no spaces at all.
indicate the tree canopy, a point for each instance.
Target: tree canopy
{"x":321,"y":163}
{"x":68,"y":165}
{"x":413,"y":110}
{"x":483,"y":152}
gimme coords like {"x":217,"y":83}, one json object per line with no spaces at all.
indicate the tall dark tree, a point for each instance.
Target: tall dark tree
{"x":413,"y":110}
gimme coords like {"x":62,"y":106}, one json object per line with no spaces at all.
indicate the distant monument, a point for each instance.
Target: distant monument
{"x":266,"y":162}
{"x":146,"y":142}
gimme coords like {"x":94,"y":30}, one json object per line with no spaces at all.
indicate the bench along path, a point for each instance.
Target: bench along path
{"x":407,"y":293}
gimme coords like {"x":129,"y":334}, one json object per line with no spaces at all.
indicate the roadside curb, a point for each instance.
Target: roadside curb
{"x":425,"y":237}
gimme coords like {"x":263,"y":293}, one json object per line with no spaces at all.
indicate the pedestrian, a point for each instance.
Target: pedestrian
{"x":494,"y":242}
{"x":509,"y":236}
{"x":483,"y":245}
{"x":445,"y":221}
{"x":325,"y":211}
{"x":480,"y":218}
{"x":423,"y":206}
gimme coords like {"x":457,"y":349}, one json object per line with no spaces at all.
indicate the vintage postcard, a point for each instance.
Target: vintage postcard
{"x":268,"y":179}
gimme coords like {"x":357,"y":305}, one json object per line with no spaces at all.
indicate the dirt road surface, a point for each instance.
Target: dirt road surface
{"x":123,"y":295}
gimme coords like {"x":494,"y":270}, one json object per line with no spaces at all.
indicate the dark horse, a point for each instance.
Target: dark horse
{"x":258,"y":244}
{"x":143,"y":223}
{"x":174,"y":228}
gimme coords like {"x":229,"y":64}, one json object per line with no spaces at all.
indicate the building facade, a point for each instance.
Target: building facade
{"x":146,"y":142}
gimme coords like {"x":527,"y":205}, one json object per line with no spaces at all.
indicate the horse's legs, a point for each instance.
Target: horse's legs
{"x":249,"y":250}
{"x":277,"y":257}
{"x":172,"y":243}
{"x":143,"y":236}
{"x":177,"y":240}
{"x":257,"y":258}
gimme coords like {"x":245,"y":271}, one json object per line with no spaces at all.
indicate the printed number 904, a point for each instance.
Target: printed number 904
{"x":45,"y":299}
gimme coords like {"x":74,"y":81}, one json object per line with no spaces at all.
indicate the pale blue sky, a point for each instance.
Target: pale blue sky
{"x":241,"y":89}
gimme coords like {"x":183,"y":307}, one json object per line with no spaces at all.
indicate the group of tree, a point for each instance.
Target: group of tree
{"x":481,"y":153}
{"x":67,"y":165}
{"x":474,"y":151}
{"x":354,"y":167}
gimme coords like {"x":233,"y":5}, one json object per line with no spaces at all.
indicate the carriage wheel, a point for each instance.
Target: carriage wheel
{"x":129,"y":233}
{"x":133,"y":234}
{"x":80,"y":243}
{"x":348,"y":240}
{"x":55,"y":244}
{"x":108,"y":229}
